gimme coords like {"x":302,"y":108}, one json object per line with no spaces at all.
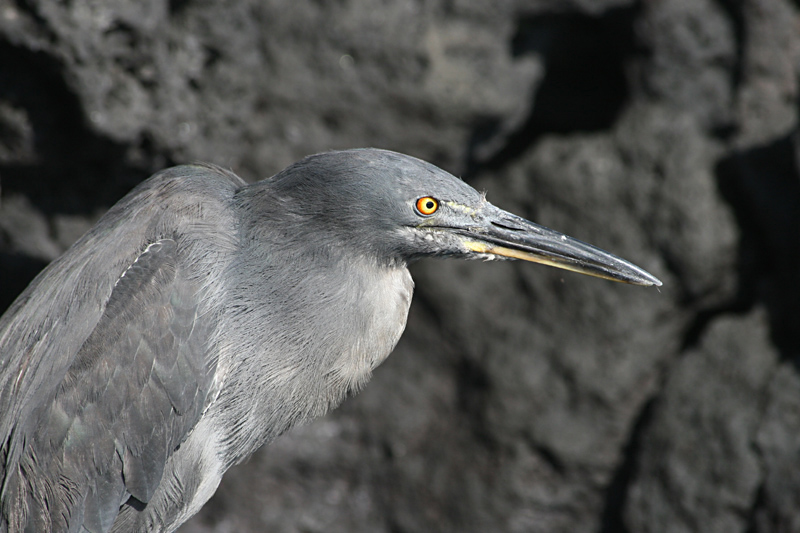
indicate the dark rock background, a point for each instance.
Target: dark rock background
{"x":521,"y":398}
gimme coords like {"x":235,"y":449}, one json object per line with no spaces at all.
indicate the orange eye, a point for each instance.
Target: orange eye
{"x":427,"y":206}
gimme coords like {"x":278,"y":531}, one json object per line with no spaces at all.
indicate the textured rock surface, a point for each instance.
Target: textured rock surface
{"x":521,"y":398}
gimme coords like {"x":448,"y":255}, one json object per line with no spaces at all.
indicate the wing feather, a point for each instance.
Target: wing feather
{"x":103,"y":375}
{"x":134,"y":391}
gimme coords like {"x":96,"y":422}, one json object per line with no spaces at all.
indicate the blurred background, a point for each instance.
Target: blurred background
{"x":521,"y":398}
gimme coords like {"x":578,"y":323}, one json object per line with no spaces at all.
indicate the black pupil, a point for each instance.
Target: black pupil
{"x":429,"y":204}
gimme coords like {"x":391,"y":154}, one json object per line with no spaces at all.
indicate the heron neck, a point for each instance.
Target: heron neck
{"x":318,"y":320}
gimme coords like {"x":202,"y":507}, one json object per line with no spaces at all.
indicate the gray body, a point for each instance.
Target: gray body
{"x":199,"y":319}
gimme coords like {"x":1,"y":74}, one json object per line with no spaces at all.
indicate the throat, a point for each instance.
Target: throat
{"x":373,"y":328}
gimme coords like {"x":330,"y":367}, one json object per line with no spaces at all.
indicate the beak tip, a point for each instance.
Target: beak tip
{"x":650,"y":280}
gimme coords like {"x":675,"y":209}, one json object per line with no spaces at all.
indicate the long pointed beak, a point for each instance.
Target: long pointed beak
{"x":507,"y":235}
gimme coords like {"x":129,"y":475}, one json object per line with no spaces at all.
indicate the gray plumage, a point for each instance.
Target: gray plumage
{"x":202,"y":317}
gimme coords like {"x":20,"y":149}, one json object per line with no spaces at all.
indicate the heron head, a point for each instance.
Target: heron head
{"x":399,"y":209}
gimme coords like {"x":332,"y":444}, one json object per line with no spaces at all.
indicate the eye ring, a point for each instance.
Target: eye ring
{"x":426,"y":206}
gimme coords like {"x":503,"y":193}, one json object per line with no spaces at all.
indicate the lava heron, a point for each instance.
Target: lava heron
{"x":203,"y":316}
